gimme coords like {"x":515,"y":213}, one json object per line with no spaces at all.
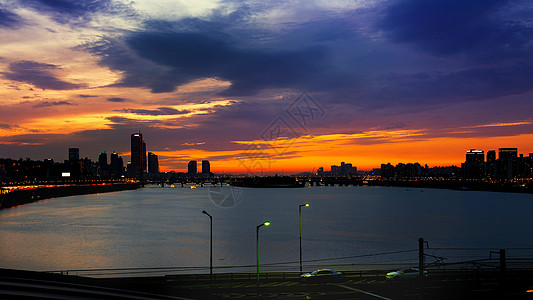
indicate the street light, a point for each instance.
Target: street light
{"x":267,"y":223}
{"x":300,"y":221}
{"x":210,"y":244}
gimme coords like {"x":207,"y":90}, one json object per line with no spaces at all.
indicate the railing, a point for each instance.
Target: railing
{"x":488,"y":266}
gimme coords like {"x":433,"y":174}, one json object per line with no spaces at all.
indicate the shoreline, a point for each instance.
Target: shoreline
{"x":33,"y":194}
{"x":456,"y":184}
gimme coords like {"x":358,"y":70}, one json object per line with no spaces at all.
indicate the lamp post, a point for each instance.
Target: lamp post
{"x":300,"y":221}
{"x":267,"y":223}
{"x":210,"y":244}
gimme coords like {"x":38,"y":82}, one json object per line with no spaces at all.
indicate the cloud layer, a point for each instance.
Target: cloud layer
{"x":212,"y":76}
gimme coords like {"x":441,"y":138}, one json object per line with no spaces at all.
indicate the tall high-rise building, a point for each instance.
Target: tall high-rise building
{"x":192,"y":167}
{"x":117,"y":165}
{"x":507,"y":163}
{"x":103,"y":168}
{"x":102,"y":159}
{"x":474,"y":163}
{"x":206,"y":167}
{"x":491,"y":164}
{"x":73,"y":155}
{"x":145,"y":160}
{"x":153,"y":163}
{"x":137,"y":155}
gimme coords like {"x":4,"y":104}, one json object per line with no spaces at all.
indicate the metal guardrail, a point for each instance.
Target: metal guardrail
{"x":292,"y":271}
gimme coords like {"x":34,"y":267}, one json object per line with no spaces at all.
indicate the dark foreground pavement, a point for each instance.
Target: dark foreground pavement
{"x":34,"y":285}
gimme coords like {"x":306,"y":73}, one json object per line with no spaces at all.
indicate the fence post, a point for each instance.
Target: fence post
{"x":421,"y":257}
{"x":503,"y":264}
{"x":421,"y":266}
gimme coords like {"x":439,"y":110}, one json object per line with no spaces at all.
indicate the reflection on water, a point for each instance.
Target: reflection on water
{"x":162,"y":227}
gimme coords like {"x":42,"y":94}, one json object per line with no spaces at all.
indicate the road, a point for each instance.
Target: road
{"x":14,"y":284}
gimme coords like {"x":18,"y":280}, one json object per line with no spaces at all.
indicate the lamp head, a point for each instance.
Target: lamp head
{"x":267,"y":223}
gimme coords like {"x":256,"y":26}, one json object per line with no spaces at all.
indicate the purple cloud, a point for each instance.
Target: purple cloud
{"x":38,"y":74}
{"x":48,"y":104}
{"x":161,"y":111}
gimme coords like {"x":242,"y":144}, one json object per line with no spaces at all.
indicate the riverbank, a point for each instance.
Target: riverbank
{"x":31,"y":194}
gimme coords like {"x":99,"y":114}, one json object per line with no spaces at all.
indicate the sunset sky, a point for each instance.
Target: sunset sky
{"x":266,"y":86}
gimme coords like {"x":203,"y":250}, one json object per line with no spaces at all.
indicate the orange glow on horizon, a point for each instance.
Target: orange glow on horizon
{"x":307,"y":155}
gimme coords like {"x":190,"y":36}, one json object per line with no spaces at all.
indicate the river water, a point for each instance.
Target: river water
{"x":165,"y":227}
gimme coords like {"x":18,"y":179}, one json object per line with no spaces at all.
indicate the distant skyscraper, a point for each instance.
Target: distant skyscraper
{"x":153,"y":163}
{"x":507,"y":162}
{"x":192,"y":167}
{"x":387,"y":170}
{"x":102,"y":159}
{"x":73,"y":154}
{"x":103,"y":169}
{"x":491,"y":163}
{"x":145,"y":160}
{"x":137,"y":155}
{"x":117,"y":165}
{"x":507,"y":153}
{"x":206,"y":167}
{"x":474,"y":163}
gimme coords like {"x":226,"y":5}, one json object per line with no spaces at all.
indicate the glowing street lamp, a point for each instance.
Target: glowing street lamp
{"x":267,"y":223}
{"x":300,"y":221}
{"x":210,"y":244}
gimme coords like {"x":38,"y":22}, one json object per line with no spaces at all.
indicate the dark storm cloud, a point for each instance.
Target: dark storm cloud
{"x":9,"y":19}
{"x":177,"y":58}
{"x":48,"y":104}
{"x":470,"y":84}
{"x":37,"y":74}
{"x":487,"y":42}
{"x":446,"y":27}
{"x":161,"y":111}
{"x":487,"y":45}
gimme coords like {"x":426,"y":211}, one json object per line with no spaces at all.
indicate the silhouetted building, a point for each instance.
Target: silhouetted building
{"x":530,"y":168}
{"x":320,"y":172}
{"x":523,"y":166}
{"x":345,"y":169}
{"x":192,"y":167}
{"x":507,"y":163}
{"x":206,"y":167}
{"x":387,"y":170}
{"x":138,"y":149}
{"x":348,"y":169}
{"x":102,"y":159}
{"x":117,"y":165}
{"x":103,"y":168}
{"x":490,"y":165}
{"x":73,"y":155}
{"x":145,"y":160}
{"x":153,"y":163}
{"x":474,"y":163}
{"x":334,"y":170}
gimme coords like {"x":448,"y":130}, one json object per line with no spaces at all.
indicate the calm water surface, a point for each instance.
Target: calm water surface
{"x":164,"y":227}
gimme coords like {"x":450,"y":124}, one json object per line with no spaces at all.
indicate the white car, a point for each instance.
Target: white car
{"x":321,"y":274}
{"x":405,"y":273}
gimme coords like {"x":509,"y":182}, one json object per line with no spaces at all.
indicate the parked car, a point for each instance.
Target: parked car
{"x":405,"y":273}
{"x":322,"y":275}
